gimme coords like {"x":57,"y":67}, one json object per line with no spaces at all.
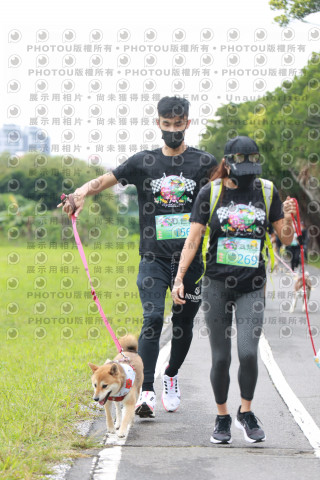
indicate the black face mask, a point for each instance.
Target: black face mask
{"x":243,"y":181}
{"x":173,"y":139}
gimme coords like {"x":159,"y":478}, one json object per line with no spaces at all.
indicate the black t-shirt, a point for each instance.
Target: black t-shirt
{"x":237,"y":234}
{"x":167,"y":188}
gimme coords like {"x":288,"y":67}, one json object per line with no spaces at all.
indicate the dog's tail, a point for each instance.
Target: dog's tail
{"x":129,"y":343}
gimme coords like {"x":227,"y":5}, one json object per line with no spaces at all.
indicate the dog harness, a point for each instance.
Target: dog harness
{"x":130,"y":377}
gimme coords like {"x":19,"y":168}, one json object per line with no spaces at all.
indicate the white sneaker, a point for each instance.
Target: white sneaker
{"x":146,"y":404}
{"x":171,"y":393}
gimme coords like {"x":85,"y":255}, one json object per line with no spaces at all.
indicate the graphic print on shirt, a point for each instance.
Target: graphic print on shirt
{"x":240,"y":219}
{"x":172,"y":191}
{"x":239,"y":223}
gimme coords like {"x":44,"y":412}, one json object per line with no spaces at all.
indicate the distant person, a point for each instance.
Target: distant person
{"x":305,"y":240}
{"x":294,"y":252}
{"x":168,"y":180}
{"x":236,"y":219}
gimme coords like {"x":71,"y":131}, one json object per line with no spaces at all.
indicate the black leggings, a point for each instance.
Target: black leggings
{"x":218,"y":304}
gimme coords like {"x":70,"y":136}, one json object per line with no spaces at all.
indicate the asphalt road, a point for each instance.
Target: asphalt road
{"x":177,"y":445}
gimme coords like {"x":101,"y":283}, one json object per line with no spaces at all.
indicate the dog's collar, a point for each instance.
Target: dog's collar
{"x":116,"y":399}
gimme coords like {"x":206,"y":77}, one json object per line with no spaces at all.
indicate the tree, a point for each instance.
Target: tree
{"x":285,"y":124}
{"x":294,"y":9}
{"x":34,"y":184}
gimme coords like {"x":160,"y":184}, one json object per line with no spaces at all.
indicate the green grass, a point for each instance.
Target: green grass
{"x":315,"y":264}
{"x":48,"y":335}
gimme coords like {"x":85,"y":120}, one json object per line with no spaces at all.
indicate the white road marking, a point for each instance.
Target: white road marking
{"x":107,"y":464}
{"x":300,"y":414}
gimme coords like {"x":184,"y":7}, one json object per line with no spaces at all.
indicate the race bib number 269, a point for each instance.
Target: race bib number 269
{"x":240,"y":252}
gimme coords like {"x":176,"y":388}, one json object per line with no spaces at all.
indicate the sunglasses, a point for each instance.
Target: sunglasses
{"x":241,"y":157}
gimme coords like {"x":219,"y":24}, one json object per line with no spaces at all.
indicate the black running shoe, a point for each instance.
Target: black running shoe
{"x":221,"y":432}
{"x":252,"y":431}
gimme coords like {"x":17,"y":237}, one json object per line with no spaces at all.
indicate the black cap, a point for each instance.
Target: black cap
{"x":241,"y":144}
{"x":244,"y":145}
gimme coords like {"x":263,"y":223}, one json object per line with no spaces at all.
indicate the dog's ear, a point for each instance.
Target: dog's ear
{"x":114,"y":369}
{"x":93,"y":367}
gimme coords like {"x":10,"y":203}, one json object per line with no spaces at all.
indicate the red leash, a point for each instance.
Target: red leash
{"x":297,"y":226}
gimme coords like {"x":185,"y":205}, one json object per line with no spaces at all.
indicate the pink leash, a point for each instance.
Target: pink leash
{"x":93,"y":293}
{"x":285,"y":264}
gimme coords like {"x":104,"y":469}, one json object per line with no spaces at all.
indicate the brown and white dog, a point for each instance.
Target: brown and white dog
{"x":298,"y":291}
{"x":119,"y":381}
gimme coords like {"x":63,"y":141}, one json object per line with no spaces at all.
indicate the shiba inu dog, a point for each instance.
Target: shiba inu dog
{"x":119,"y":380}
{"x":298,"y":291}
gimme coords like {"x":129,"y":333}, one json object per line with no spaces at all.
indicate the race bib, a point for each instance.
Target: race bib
{"x":169,"y":227}
{"x":240,"y":252}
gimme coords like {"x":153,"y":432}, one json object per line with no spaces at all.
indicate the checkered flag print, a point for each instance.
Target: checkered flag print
{"x":223,"y":213}
{"x":190,"y":184}
{"x":156,"y":184}
{"x":260,"y":214}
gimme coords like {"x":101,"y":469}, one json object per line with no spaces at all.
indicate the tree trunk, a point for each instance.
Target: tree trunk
{"x":314,"y":196}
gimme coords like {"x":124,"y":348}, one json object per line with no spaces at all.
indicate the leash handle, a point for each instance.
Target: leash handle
{"x":93,"y":293}
{"x":297,"y":226}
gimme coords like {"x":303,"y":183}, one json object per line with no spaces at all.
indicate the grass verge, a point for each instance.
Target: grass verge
{"x":49,"y":330}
